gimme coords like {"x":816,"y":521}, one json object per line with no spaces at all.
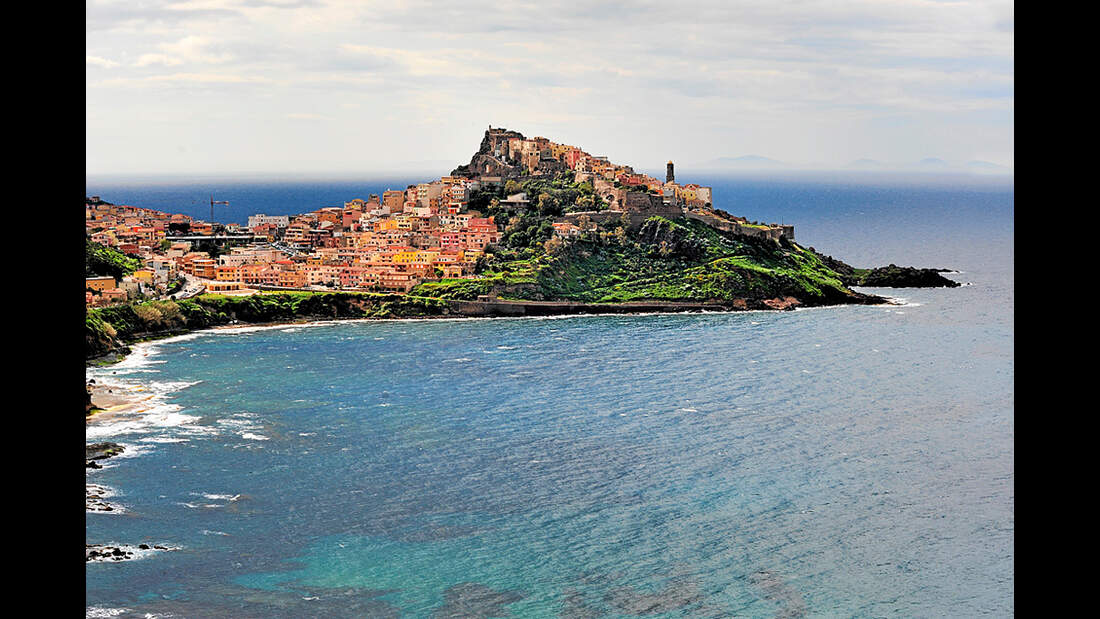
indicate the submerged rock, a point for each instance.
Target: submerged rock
{"x":475,"y":600}
{"x":678,"y":594}
{"x":776,"y":589}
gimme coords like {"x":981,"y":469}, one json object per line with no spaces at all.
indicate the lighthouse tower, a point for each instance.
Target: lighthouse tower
{"x":669,"y":176}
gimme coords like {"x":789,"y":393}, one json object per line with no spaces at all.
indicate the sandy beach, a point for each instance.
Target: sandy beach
{"x":113,"y":400}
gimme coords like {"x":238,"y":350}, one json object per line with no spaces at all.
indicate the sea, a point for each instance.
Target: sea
{"x":851,"y":461}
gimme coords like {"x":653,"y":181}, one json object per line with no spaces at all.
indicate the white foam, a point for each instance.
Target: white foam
{"x":104,"y":492}
{"x":217,"y":497}
{"x":254,"y":437}
{"x":154,"y":419}
{"x":100,"y":612}
{"x":462,"y":360}
{"x":239,"y":420}
{"x":198,"y":505}
{"x":274,"y":327}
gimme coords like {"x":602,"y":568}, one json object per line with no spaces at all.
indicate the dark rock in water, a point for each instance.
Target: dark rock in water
{"x":676,"y":595}
{"x":101,"y":552}
{"x":92,"y":465}
{"x":574,"y":607}
{"x":894,"y":276}
{"x":891,"y":276}
{"x":102,"y":451}
{"x":475,"y":600}
{"x":94,"y":499}
{"x":776,"y":589}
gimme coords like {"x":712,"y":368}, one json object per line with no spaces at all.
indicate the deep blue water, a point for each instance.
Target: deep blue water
{"x":848,"y":461}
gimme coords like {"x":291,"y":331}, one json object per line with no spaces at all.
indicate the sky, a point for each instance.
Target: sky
{"x":320,"y":87}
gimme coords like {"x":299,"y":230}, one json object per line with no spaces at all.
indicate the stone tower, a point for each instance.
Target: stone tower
{"x":669,"y":176}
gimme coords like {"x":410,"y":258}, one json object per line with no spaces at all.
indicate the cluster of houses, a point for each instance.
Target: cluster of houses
{"x":507,"y":154}
{"x":386,"y":243}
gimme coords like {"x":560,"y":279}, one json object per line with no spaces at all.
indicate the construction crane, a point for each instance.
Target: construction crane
{"x":212,"y":203}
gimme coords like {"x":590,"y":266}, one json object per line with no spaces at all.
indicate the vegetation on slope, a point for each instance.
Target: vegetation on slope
{"x":688,"y":261}
{"x":102,"y":260}
{"x":663,"y":260}
{"x":110,"y":328}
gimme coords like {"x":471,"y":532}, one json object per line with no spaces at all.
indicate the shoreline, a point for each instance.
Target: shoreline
{"x":113,"y":400}
{"x":498,"y":309}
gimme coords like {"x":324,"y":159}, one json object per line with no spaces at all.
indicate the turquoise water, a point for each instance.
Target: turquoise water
{"x":832,"y":462}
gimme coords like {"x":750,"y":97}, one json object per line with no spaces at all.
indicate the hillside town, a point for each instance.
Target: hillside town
{"x":386,"y":243}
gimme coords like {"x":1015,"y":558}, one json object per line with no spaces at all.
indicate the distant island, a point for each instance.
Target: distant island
{"x":527,"y":227}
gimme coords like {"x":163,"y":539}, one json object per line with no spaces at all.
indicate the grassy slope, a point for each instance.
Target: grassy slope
{"x":681,"y":260}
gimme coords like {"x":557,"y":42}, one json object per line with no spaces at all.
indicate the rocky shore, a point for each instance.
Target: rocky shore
{"x":95,"y":494}
{"x":100,"y":451}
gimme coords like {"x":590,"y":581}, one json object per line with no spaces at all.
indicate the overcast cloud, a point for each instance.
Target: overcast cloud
{"x":319,"y":86}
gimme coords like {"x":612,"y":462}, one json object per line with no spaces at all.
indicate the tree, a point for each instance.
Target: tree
{"x":620,"y":235}
{"x":547,"y":205}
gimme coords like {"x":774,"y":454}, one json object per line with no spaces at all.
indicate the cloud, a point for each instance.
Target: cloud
{"x":190,"y":49}
{"x":100,"y":62}
{"x":762,"y":75}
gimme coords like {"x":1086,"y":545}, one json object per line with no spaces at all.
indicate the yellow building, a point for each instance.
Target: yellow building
{"x":144,"y":276}
{"x":405,"y":257}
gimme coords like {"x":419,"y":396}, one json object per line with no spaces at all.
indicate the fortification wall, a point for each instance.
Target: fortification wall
{"x":773,"y":232}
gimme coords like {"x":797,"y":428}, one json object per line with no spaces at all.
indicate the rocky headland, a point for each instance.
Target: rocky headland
{"x":581,"y":243}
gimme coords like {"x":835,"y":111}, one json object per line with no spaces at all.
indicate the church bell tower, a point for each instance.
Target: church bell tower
{"x":669,"y":176}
